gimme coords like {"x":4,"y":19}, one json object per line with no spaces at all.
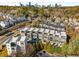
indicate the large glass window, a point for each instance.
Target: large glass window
{"x":40,"y":32}
{"x":56,"y":36}
{"x":22,"y":43}
{"x":63,"y":37}
{"x":13,"y":48}
{"x":50,"y":38}
{"x":44,"y":40}
{"x":45,"y":34}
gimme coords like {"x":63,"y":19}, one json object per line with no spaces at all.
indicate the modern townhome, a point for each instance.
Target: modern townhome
{"x":63,"y":36}
{"x":29,"y":34}
{"x":23,"y":31}
{"x":11,"y":21}
{"x":4,"y":24}
{"x":23,"y":43}
{"x":51,"y":36}
{"x":54,"y":36}
{"x":18,"y":42}
{"x":8,"y":46}
{"x":46,"y":36}
{"x":57,"y":38}
{"x":40,"y":33}
{"x":35,"y":34}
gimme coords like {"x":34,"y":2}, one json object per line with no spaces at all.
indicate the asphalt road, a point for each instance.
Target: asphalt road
{"x":4,"y":38}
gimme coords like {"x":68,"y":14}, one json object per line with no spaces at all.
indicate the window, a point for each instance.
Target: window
{"x":27,"y":31}
{"x":34,"y":36}
{"x":40,"y":54}
{"x":51,"y":34}
{"x":22,"y":43}
{"x":40,"y":32}
{"x":57,"y":36}
{"x":44,"y":40}
{"x":62,"y":37}
{"x":45,"y":34}
{"x":13,"y":48}
{"x":33,"y":32}
{"x":45,"y":37}
{"x":50,"y":38}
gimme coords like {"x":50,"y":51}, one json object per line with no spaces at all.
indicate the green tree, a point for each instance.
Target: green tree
{"x":73,"y":48}
{"x":65,"y":49}
{"x":41,"y":12}
{"x":49,"y":48}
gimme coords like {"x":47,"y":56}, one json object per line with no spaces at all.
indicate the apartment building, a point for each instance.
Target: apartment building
{"x":16,"y":43}
{"x":8,"y":46}
{"x":11,"y":45}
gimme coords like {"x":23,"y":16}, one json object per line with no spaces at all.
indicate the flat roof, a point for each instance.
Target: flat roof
{"x":46,"y":31}
{"x":57,"y":32}
{"x":51,"y":32}
{"x":24,"y":29}
{"x":63,"y":33}
{"x":41,"y":29}
{"x":31,"y":29}
{"x":36,"y":29}
{"x":14,"y":39}
{"x":23,"y":38}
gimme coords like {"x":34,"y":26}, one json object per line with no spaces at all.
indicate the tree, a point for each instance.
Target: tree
{"x":3,"y":52}
{"x":19,"y":54}
{"x":41,"y":12}
{"x":65,"y":49}
{"x":49,"y":48}
{"x":38,"y":45}
{"x":30,"y":51}
{"x":73,"y":48}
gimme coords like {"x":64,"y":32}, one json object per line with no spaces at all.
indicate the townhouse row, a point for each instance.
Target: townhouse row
{"x":19,"y":42}
{"x":46,"y":35}
{"x":11,"y":22}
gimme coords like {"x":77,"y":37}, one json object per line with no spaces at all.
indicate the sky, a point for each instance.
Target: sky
{"x":40,"y":2}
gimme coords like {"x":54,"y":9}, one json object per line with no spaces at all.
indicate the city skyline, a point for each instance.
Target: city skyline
{"x":41,"y":2}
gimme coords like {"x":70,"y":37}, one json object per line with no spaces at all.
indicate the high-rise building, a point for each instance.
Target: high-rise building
{"x":29,"y":3}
